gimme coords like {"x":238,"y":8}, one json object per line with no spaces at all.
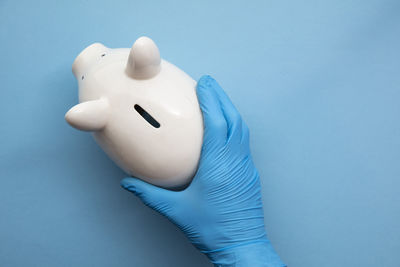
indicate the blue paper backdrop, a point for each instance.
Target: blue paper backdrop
{"x":318,"y":83}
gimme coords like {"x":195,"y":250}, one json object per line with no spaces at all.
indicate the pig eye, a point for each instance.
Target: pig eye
{"x":83,"y":77}
{"x":103,"y":55}
{"x":147,"y":116}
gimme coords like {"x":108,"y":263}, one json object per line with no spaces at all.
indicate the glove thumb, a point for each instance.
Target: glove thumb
{"x":152,"y":196}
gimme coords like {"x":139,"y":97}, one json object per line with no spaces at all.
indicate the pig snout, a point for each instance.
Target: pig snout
{"x":86,"y":59}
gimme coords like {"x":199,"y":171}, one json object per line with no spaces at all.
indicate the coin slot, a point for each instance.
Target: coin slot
{"x":147,"y":116}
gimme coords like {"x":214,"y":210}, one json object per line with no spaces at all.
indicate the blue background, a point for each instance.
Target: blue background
{"x":317,"y":82}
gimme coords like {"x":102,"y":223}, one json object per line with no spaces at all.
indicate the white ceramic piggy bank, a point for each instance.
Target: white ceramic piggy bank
{"x":142,"y":110}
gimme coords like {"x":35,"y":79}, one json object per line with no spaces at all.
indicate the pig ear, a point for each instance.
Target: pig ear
{"x":89,"y":116}
{"x":144,"y":59}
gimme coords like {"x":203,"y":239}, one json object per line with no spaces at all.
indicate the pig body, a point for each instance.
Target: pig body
{"x":142,"y":110}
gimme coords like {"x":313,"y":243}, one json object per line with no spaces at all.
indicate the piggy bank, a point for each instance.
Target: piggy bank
{"x":142,"y":111}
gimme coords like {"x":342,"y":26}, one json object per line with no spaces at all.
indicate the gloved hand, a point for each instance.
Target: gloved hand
{"x":221,"y":210}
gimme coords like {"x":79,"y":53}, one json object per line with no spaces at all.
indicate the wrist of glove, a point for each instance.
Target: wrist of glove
{"x":257,"y":254}
{"x":221,"y":210}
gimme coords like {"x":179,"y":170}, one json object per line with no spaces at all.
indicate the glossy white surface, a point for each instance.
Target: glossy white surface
{"x":111,"y":82}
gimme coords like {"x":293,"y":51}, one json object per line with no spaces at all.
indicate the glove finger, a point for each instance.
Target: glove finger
{"x":231,"y":114}
{"x":155,"y":197}
{"x":215,"y":127}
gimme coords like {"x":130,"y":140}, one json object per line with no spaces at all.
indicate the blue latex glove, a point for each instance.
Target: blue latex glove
{"x":221,"y":211}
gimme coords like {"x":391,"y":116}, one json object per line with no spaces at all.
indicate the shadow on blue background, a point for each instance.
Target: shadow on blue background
{"x":317,"y":83}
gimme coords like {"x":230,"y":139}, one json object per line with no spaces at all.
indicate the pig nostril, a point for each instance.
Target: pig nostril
{"x":103,"y":55}
{"x":147,"y":116}
{"x":83,"y":77}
